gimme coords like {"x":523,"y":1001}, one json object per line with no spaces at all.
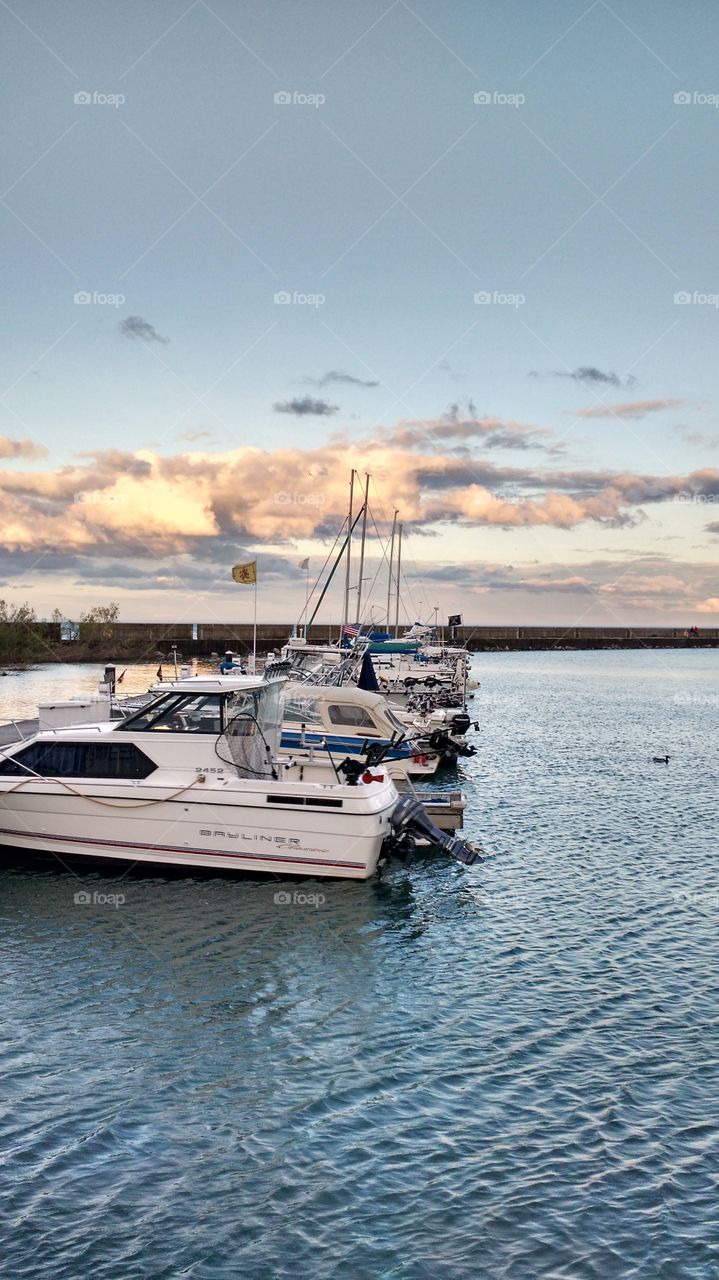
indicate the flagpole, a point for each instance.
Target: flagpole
{"x":254,"y":628}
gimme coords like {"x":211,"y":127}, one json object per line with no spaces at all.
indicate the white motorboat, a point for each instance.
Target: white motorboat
{"x":193,"y":779}
{"x":329,"y":721}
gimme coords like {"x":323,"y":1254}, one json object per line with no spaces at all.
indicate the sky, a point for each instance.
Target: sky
{"x":468,"y":248}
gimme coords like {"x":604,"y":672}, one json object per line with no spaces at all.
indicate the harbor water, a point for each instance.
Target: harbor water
{"x":504,"y":1071}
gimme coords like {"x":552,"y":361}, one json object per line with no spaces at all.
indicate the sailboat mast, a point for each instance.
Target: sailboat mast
{"x":391,"y":562}
{"x":364,"y":536}
{"x":345,"y":612}
{"x":399,"y":567}
{"x":332,"y":571}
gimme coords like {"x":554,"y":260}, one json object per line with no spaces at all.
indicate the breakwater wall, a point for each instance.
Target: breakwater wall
{"x":145,"y":641}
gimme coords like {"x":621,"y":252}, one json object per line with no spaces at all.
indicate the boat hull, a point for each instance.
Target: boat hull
{"x":189,"y":832}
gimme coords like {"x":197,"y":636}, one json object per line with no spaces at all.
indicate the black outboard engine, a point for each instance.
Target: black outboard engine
{"x":460,"y":723}
{"x":408,"y":816}
{"x":447,"y":748}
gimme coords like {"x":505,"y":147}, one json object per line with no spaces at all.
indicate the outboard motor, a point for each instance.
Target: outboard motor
{"x":460,"y":723}
{"x":447,"y":748}
{"x":408,"y":816}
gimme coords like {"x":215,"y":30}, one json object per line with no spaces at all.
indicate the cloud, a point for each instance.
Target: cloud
{"x":652,"y":585}
{"x":699,"y":438}
{"x":634,"y":409}
{"x":136,"y":327}
{"x":461,"y":422}
{"x":338,"y":376}
{"x":120,"y":504}
{"x":21,"y":448}
{"x":193,"y":436}
{"x":305,"y":405}
{"x":710,"y":605}
{"x":589,"y":376}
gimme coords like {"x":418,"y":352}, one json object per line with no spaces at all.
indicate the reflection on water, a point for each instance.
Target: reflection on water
{"x":506,"y":1071}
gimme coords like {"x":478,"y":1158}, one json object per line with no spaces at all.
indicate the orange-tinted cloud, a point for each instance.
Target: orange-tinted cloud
{"x":634,"y":409}
{"x":10,"y":448}
{"x":280,"y":495}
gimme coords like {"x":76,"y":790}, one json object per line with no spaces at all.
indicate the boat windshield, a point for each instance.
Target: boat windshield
{"x":178,"y":713}
{"x":396,"y":722}
{"x":251,"y":720}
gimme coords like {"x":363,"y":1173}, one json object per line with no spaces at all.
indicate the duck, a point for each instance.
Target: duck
{"x":660,"y":759}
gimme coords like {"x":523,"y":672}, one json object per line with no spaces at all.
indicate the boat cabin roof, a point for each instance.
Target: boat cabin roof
{"x":232,"y":683}
{"x":337,"y":693}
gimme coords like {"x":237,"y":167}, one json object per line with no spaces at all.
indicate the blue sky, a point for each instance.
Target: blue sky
{"x":578,"y":195}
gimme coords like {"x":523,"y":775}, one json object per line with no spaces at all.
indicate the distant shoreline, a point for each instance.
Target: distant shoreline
{"x":153,"y":641}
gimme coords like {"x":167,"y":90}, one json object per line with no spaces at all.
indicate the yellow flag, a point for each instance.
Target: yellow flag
{"x":245,"y":573}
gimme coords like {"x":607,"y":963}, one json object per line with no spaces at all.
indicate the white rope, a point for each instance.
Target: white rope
{"x":110,"y":804}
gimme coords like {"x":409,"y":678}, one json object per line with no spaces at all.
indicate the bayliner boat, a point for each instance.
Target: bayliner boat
{"x":194,"y":779}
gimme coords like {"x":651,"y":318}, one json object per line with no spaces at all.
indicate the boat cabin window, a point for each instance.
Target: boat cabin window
{"x":88,"y":759}
{"x":302,"y":711}
{"x":178,"y":713}
{"x":352,"y":714}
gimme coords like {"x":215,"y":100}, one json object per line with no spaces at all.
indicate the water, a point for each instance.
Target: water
{"x":503,"y":1071}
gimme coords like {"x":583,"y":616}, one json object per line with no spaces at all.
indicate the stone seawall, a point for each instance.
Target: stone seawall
{"x":138,"y":641}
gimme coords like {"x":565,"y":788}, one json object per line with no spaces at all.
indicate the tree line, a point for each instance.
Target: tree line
{"x":26,"y":638}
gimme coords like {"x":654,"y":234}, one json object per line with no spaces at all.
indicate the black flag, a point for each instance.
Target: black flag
{"x":454,"y":620}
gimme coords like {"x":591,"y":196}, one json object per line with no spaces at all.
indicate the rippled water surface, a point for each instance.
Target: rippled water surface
{"x":503,"y":1071}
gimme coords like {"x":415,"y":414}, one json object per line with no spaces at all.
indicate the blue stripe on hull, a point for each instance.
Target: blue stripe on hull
{"x":292,"y":740}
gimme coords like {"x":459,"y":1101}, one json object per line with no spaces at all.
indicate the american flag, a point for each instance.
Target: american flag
{"x":351,"y":631}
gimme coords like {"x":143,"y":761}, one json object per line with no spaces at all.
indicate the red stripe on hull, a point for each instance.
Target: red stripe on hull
{"x":168,"y":848}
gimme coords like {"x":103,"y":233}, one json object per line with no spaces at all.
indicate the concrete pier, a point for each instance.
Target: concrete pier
{"x":144,"y":641}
